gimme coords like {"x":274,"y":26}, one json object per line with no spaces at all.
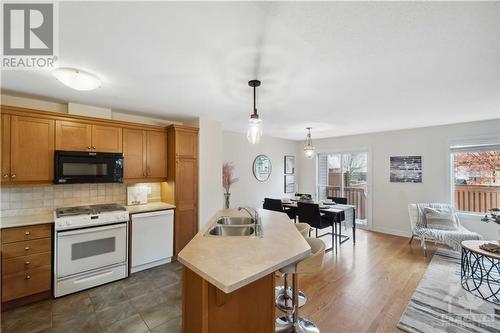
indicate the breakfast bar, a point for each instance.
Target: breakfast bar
{"x":228,"y":281}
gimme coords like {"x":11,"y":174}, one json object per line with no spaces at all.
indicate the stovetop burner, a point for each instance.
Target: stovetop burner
{"x":88,"y":210}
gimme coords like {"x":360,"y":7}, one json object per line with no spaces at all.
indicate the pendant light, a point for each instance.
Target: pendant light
{"x":254,"y":131}
{"x":309,"y":148}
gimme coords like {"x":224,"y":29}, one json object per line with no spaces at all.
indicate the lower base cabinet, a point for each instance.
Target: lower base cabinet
{"x":26,"y":264}
{"x":207,"y":309}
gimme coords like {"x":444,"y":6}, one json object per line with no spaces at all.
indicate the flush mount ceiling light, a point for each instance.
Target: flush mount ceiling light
{"x":309,"y":148}
{"x":77,"y":79}
{"x":254,"y":131}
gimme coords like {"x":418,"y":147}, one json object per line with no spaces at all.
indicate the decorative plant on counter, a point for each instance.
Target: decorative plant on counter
{"x":228,"y":180}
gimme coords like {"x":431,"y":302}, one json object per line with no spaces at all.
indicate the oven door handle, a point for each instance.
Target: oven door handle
{"x":91,"y":230}
{"x":93,"y":277}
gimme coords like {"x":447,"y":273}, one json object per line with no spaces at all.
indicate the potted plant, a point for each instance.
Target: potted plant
{"x":227,"y":180}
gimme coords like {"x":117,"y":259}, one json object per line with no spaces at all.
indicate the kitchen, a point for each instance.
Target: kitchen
{"x":87,"y":201}
{"x":241,"y":167}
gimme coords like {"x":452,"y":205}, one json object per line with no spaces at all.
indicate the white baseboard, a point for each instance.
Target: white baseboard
{"x":390,"y":231}
{"x":139,"y":268}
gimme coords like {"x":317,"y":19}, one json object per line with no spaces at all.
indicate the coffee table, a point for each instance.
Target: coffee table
{"x":480,"y":271}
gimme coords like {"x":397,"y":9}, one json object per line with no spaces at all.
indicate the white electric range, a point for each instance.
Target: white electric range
{"x":90,"y":246}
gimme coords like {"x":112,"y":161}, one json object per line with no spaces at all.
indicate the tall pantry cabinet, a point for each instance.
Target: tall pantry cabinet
{"x":182,"y":176}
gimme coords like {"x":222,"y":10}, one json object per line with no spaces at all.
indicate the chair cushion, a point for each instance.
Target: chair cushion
{"x":440,"y":218}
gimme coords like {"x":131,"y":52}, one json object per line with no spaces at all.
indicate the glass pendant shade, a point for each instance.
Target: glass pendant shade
{"x":309,"y":148}
{"x":309,"y":151}
{"x":254,"y":131}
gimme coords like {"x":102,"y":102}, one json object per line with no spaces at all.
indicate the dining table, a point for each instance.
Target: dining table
{"x":333,"y":209}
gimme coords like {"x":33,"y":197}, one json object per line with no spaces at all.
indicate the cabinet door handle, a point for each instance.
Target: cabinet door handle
{"x":93,"y":147}
{"x":26,"y":248}
{"x":89,"y":147}
{"x":27,"y":263}
{"x":27,"y":233}
{"x":27,"y":277}
{"x":5,"y":176}
{"x":13,"y":176}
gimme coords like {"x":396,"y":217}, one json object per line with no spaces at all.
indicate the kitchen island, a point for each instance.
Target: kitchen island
{"x":228,"y":281}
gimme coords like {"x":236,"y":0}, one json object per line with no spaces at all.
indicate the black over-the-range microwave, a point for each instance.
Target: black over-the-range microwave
{"x":72,"y":167}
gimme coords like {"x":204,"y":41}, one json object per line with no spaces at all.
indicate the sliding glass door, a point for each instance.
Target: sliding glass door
{"x":345,"y":175}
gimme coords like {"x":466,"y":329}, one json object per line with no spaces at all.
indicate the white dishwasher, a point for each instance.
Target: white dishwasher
{"x":152,"y":239}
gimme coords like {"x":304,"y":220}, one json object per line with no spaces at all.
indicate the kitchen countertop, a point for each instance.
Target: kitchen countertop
{"x":230,"y":263}
{"x":149,"y":207}
{"x":24,"y":220}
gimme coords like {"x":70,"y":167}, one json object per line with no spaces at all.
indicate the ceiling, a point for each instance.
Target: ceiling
{"x":341,"y":68}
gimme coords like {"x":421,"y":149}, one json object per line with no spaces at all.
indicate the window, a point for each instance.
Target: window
{"x":476,"y":177}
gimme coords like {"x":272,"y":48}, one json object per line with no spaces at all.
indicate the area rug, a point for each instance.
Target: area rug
{"x":440,"y":304}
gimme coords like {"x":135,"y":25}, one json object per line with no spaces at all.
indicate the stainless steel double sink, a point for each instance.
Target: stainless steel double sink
{"x":232,"y":226}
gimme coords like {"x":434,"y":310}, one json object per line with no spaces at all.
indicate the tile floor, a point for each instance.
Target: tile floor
{"x":148,"y":301}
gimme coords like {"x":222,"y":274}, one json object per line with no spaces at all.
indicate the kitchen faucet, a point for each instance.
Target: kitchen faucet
{"x":259,"y":231}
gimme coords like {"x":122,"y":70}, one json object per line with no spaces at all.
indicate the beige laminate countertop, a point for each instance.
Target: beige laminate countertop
{"x":231,"y":262}
{"x":24,"y":220}
{"x":149,"y":207}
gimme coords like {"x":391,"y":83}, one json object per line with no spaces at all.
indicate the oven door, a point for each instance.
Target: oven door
{"x":87,"y":167}
{"x":90,"y":248}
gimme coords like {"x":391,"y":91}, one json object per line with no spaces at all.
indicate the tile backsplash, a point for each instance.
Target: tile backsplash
{"x":40,"y":200}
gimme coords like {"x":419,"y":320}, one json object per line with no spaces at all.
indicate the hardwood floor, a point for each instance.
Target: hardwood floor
{"x":364,"y":288}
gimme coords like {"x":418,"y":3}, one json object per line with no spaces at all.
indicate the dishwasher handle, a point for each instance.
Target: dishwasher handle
{"x":155,"y":213}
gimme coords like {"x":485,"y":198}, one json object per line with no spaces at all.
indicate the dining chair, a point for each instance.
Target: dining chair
{"x":277,"y":206}
{"x":309,"y":213}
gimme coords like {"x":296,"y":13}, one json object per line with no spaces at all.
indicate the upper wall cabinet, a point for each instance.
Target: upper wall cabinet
{"x":73,"y":136}
{"x":145,"y":154}
{"x":78,"y":136}
{"x":106,"y":139}
{"x":27,"y":149}
{"x":186,"y":144}
{"x":156,"y":157}
{"x":134,"y":152}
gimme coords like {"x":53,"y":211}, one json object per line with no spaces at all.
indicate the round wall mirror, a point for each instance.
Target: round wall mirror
{"x":262,"y":168}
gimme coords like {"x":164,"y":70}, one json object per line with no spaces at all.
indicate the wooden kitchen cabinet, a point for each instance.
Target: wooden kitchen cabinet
{"x":186,"y":201}
{"x":73,"y":136}
{"x":26,"y":264}
{"x":134,"y":153}
{"x":183,"y":173}
{"x":27,"y":149}
{"x":145,"y":154}
{"x":106,"y":139}
{"x":5,"y":146}
{"x":29,"y":138}
{"x":156,"y":157}
{"x":79,"y":136}
{"x":186,"y":144}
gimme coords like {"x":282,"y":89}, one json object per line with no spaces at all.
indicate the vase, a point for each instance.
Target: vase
{"x":226,"y":202}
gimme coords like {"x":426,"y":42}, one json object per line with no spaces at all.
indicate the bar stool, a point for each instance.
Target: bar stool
{"x":284,"y":300}
{"x":309,"y":265}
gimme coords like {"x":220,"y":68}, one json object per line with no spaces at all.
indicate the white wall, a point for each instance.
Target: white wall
{"x":210,"y":169}
{"x":249,"y":191}
{"x":390,"y":200}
